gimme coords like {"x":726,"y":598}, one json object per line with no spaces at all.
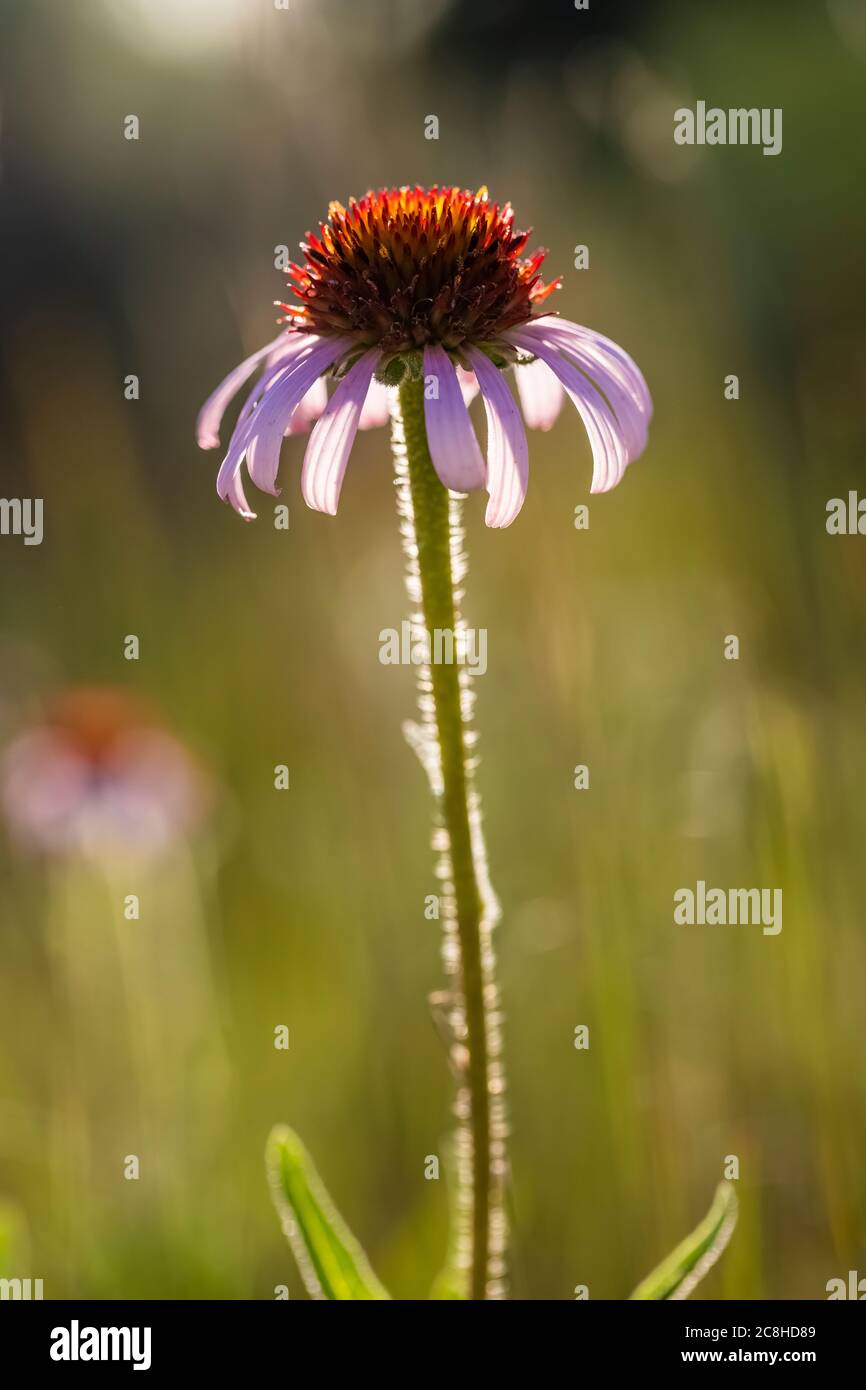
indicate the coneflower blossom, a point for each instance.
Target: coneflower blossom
{"x":429,"y":282}
{"x":96,"y":773}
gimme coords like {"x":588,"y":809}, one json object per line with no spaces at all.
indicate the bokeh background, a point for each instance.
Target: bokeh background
{"x":306,"y":908}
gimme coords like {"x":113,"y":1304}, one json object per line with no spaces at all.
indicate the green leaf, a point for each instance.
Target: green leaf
{"x":686,"y":1266}
{"x":331,"y":1262}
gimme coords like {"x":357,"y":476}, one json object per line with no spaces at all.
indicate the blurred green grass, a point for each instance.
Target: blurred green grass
{"x":605,"y":648}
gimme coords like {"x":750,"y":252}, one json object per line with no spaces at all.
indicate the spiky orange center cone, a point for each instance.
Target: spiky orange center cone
{"x":404,"y":267}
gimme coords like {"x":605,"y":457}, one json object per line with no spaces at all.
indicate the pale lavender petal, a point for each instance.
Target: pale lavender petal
{"x":294,"y":340}
{"x":308,"y":409}
{"x":468,"y":385}
{"x":280,"y":362}
{"x":631,"y":425}
{"x":606,"y":349}
{"x":611,"y":371}
{"x":453,"y":446}
{"x":507,"y":453}
{"x":210,"y":416}
{"x":605,"y":359}
{"x":609,"y":454}
{"x":267,"y":426}
{"x":299,"y":347}
{"x":376,"y":409}
{"x":541,"y":394}
{"x":262,"y":431}
{"x":333,"y":436}
{"x":232,"y":490}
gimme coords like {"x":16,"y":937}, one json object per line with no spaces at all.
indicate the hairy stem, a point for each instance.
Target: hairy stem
{"x":430,"y":519}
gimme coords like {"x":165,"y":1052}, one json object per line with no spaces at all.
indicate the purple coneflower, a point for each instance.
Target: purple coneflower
{"x":431,"y":282}
{"x":97,"y":773}
{"x":411,"y":301}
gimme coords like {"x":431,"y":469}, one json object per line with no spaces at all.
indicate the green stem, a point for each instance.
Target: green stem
{"x":432,"y":535}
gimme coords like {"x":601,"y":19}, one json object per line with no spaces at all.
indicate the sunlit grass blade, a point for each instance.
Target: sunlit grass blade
{"x":685,"y":1267}
{"x":331,"y":1262}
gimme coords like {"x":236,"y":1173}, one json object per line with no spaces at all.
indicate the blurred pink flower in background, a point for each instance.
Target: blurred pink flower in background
{"x":97,"y":773}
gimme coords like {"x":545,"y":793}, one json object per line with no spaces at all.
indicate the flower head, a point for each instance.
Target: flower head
{"x":412,"y":266}
{"x":429,"y":282}
{"x":96,"y":773}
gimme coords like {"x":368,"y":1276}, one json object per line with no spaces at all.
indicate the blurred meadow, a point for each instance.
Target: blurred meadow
{"x":259,"y":646}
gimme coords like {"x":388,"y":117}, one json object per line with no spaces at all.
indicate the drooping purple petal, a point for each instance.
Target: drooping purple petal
{"x":295,"y":347}
{"x":276,"y":409}
{"x":261,"y":431}
{"x":609,"y":452}
{"x":611,"y":371}
{"x":294,"y":340}
{"x":333,"y":436}
{"x":376,"y":409}
{"x":308,"y":409}
{"x":210,"y":416}
{"x":231,"y":489}
{"x":608,"y":355}
{"x":614,"y":418}
{"x":507,"y":452}
{"x":453,"y":446}
{"x":541,"y":394}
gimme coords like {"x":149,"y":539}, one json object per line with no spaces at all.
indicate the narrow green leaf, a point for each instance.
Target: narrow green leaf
{"x":331,"y":1262}
{"x":686,"y":1266}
